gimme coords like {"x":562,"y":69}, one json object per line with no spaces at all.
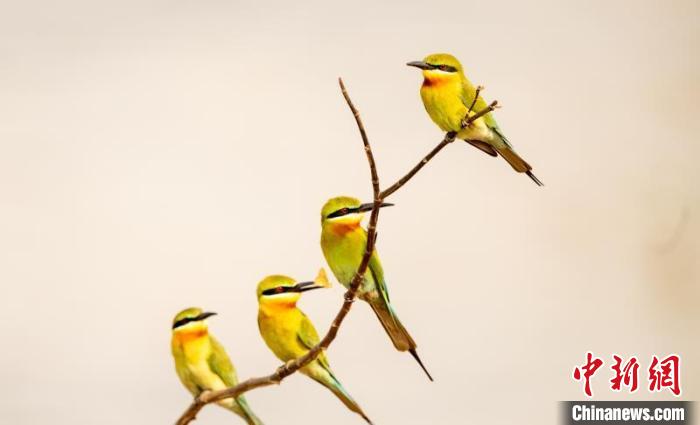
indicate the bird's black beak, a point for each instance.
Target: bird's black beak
{"x":368,"y":206}
{"x":205,"y":315}
{"x":306,"y":286}
{"x":420,"y":64}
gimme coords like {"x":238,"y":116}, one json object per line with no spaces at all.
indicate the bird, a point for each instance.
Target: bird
{"x":343,"y":242}
{"x":290,"y":334}
{"x":201,"y":362}
{"x":449,"y":99}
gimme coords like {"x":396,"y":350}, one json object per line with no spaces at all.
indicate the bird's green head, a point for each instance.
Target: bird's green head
{"x":282,"y":291}
{"x":191,"y":319}
{"x":345,"y":212}
{"x":439,"y":67}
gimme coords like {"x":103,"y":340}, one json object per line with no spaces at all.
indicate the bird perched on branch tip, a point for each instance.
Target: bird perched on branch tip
{"x":450,"y":99}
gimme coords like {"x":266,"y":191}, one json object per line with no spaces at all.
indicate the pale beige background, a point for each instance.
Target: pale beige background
{"x":156,"y":155}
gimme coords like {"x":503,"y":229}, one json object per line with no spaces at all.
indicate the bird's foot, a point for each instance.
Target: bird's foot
{"x":202,"y":397}
{"x":285,"y":367}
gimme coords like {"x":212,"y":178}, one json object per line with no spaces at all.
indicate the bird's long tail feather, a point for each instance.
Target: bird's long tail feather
{"x":241,"y":408}
{"x":534,"y":178}
{"x":414,"y":353}
{"x":399,"y":335}
{"x":331,"y":382}
{"x":518,"y":164}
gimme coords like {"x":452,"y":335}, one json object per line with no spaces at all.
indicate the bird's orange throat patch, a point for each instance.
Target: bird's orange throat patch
{"x":432,"y":78}
{"x":341,"y":228}
{"x":184,"y":336}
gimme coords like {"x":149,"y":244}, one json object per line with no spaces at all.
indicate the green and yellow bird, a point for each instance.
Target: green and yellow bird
{"x":202,"y":363}
{"x":290,"y":334}
{"x":343,"y":242}
{"x":448,"y":96}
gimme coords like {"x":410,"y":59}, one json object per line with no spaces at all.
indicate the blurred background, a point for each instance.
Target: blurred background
{"x":162,"y":154}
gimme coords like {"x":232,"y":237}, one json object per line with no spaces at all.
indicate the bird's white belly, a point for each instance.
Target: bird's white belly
{"x":478,"y":130}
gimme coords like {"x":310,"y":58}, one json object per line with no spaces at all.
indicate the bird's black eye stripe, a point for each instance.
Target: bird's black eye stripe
{"x":187,"y":320}
{"x":443,"y":67}
{"x":343,"y":211}
{"x":183,"y":322}
{"x":277,"y":290}
{"x":447,"y":68}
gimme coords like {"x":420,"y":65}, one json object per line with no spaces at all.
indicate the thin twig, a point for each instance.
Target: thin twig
{"x":481,"y":113}
{"x":449,"y":138}
{"x":289,"y":368}
{"x":467,"y":120}
{"x":476,"y":96}
{"x":365,"y":140}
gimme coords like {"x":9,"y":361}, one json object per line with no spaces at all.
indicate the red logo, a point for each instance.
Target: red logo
{"x":589,"y":370}
{"x":626,"y":375}
{"x":663,"y":373}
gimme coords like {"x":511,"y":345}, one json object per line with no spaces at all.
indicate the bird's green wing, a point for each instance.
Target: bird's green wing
{"x":221,"y":365}
{"x":377,"y":272}
{"x":308,"y":337}
{"x":468,"y":92}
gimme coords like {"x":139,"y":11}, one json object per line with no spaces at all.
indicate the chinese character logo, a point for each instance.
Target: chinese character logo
{"x":589,"y":369}
{"x":626,"y":375}
{"x":664,"y":373}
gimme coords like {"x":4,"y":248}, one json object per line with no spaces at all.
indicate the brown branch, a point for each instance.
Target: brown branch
{"x":290,"y":367}
{"x":480,"y":114}
{"x":449,"y":138}
{"x":476,"y":96}
{"x":365,"y":141}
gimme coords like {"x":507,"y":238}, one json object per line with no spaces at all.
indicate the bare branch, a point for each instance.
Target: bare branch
{"x":449,"y":138}
{"x":486,"y":110}
{"x":289,"y":368}
{"x":476,"y":96}
{"x":365,"y":140}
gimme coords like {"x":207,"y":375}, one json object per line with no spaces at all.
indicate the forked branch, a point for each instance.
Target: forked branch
{"x":291,"y":367}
